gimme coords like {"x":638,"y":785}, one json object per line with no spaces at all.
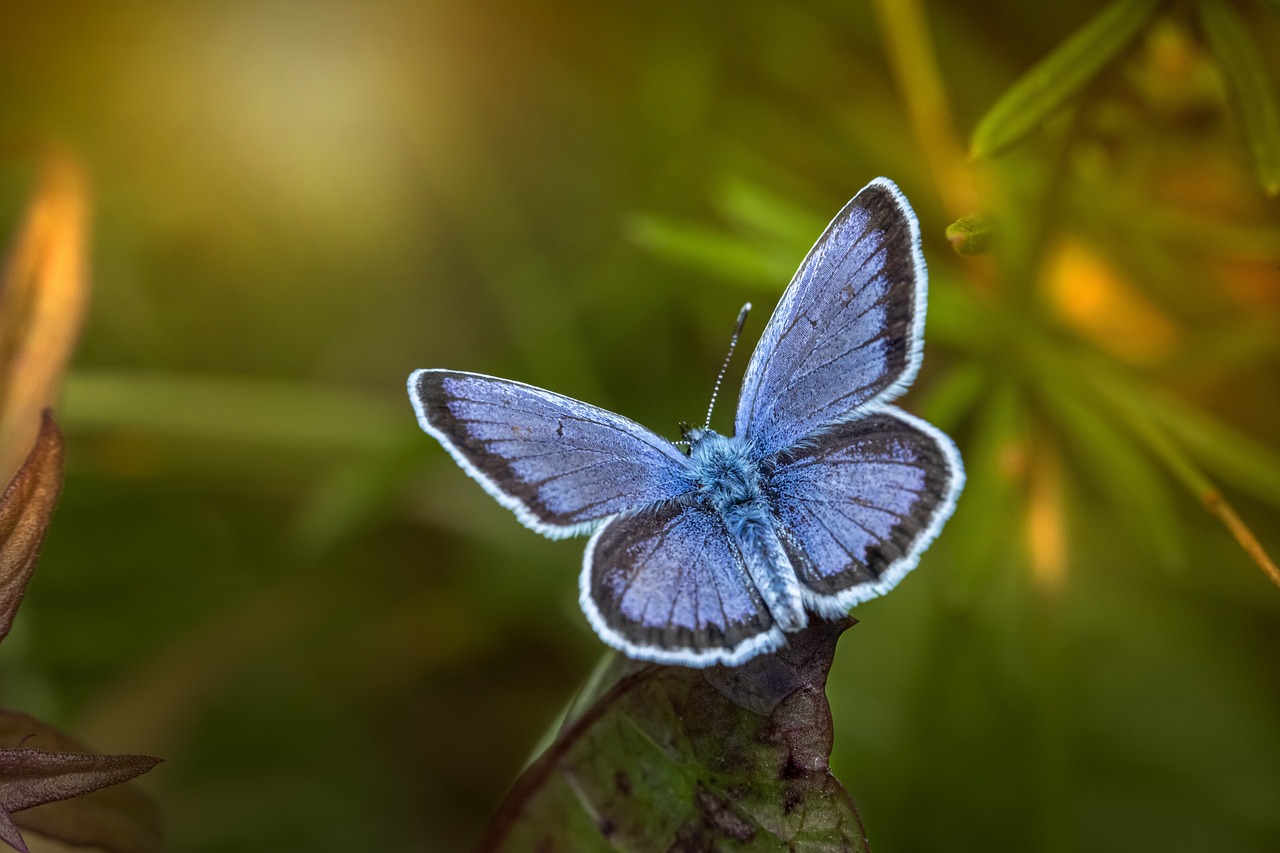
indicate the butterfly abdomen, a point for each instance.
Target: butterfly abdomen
{"x":769,"y":568}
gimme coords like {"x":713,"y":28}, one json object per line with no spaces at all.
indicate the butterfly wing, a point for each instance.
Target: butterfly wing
{"x":561,"y":465}
{"x":857,"y":505}
{"x":847,"y":332}
{"x":668,"y":584}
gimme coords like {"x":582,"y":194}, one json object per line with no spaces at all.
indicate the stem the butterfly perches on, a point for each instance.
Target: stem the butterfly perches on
{"x":743,"y":764}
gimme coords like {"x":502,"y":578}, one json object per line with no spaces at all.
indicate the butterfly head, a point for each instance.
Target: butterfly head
{"x":690,"y":434}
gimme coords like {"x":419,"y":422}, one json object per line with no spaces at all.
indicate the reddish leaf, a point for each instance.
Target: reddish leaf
{"x":9,"y":833}
{"x":47,"y":768}
{"x":25,"y":510}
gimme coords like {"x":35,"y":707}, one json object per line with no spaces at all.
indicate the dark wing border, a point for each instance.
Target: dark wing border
{"x":756,"y":376}
{"x":747,"y":648}
{"x":525,"y":513}
{"x":838,"y":604}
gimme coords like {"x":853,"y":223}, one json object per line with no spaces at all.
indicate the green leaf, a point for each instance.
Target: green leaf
{"x":990,"y":510}
{"x":1235,"y":458}
{"x":672,"y":758}
{"x":1160,"y":419}
{"x":969,"y":235}
{"x":1138,"y":415}
{"x":1049,"y":85}
{"x":196,"y":407}
{"x":953,"y":395}
{"x":1137,"y":493}
{"x":770,"y":214}
{"x":713,"y":251}
{"x":351,"y":495}
{"x":1246,"y":72}
{"x":961,"y":318}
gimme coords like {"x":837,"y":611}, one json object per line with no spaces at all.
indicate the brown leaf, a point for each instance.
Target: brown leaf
{"x":9,"y":833}
{"x":43,"y":291}
{"x":25,"y":510}
{"x":65,"y":792}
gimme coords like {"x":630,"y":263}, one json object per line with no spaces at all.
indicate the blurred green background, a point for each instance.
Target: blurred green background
{"x":262,"y":571}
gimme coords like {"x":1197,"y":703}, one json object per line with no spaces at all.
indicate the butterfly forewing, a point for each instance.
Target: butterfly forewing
{"x":858,"y":503}
{"x":853,"y":489}
{"x":847,"y":330}
{"x":560,"y":464}
{"x":669,"y":584}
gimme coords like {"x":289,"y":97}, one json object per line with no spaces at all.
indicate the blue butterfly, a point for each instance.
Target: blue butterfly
{"x":825,"y":496}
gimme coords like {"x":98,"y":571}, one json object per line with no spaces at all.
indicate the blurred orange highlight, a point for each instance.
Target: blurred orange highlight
{"x":43,"y":293}
{"x":1046,"y":527}
{"x":1098,"y":302}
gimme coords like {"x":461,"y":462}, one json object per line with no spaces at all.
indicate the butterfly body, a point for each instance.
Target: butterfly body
{"x":724,"y":472}
{"x":824,"y":496}
{"x":729,"y":481}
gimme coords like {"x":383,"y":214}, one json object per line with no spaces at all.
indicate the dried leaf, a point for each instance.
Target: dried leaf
{"x":9,"y":833}
{"x":25,"y":510}
{"x":119,"y":818}
{"x":671,"y":758}
{"x":1052,"y":82}
{"x":64,"y":792}
{"x":1242,"y":64}
{"x":42,"y":298}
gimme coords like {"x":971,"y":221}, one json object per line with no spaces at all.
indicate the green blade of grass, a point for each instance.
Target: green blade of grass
{"x":1237,"y":459}
{"x":1133,"y":485}
{"x":1129,"y":404}
{"x":1131,"y":410}
{"x":772,"y":215}
{"x":297,"y":417}
{"x":1066,"y":70}
{"x":955,"y":311}
{"x":991,"y":509}
{"x":713,"y":251}
{"x":1246,"y":73}
{"x":953,"y":395}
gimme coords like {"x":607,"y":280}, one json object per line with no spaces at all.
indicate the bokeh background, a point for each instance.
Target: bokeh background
{"x":262,"y":571}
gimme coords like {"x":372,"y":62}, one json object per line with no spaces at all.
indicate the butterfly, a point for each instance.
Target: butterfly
{"x":824,"y":496}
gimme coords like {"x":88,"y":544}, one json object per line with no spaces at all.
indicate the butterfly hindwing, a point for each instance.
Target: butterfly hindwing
{"x":857,"y":504}
{"x":830,"y":492}
{"x":847,"y":331}
{"x":561,"y":465}
{"x":669,"y":584}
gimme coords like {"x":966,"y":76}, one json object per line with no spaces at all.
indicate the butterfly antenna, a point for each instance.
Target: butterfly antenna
{"x":733,"y":342}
